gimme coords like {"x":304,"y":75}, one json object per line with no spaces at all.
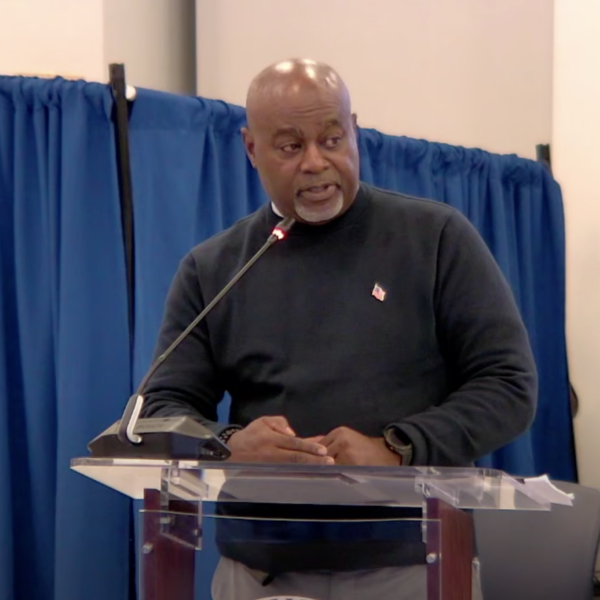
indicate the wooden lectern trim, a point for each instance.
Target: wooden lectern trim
{"x":450,"y":552}
{"x":167,"y":566}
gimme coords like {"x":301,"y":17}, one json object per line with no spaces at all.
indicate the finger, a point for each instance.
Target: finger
{"x":299,"y":445}
{"x":332,"y":436}
{"x":280,"y":425}
{"x":342,"y":455}
{"x":317,"y":439}
{"x":302,"y":458}
{"x":336,"y":448}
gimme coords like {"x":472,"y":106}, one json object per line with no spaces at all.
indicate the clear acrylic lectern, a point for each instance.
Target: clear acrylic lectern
{"x":181,"y":497}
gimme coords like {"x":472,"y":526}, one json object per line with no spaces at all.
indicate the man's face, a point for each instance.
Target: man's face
{"x":304,"y":146}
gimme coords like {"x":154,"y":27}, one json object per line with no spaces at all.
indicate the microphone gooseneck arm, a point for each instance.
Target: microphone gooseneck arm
{"x":133,"y":409}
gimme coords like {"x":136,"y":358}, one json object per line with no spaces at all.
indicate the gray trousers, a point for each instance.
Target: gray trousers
{"x":234,"y":581}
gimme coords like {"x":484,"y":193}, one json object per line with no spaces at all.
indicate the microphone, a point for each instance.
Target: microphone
{"x":172,"y":437}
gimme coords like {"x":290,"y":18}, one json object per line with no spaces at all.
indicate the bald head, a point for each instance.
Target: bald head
{"x":290,"y":79}
{"x":301,"y":137}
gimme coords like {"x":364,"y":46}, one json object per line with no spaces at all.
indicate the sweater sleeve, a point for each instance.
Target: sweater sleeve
{"x":188,"y":382}
{"x":487,"y":350}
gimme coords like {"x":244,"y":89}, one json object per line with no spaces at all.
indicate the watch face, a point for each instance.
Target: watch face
{"x":391,"y":437}
{"x":398,"y":445}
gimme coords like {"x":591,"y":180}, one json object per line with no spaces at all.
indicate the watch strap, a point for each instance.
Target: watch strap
{"x":228,"y":432}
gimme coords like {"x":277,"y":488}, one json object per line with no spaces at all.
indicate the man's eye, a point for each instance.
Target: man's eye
{"x":293,"y":147}
{"x":333,"y":141}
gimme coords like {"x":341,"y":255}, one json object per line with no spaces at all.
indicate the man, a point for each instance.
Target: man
{"x":380,"y":332}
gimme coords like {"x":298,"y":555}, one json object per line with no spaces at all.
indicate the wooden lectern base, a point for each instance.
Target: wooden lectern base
{"x":168,"y":565}
{"x":449,"y":552}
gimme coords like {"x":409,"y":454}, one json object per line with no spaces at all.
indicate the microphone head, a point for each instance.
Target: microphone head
{"x":281,"y":229}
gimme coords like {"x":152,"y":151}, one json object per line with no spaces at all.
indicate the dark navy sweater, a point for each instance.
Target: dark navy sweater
{"x":445,"y":355}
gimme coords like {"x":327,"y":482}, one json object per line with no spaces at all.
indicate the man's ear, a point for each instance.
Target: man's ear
{"x":249,"y":145}
{"x":355,"y":122}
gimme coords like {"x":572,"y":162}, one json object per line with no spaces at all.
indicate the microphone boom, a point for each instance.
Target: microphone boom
{"x":172,"y":437}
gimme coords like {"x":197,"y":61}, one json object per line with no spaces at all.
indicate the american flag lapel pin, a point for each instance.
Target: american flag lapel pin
{"x":378,"y":293}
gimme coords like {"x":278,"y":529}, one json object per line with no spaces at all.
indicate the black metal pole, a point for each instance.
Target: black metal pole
{"x":543,"y":155}
{"x":121,"y":122}
{"x":120,"y":118}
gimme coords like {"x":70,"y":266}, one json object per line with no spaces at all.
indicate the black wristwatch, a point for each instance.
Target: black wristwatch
{"x":228,"y":432}
{"x":398,"y":444}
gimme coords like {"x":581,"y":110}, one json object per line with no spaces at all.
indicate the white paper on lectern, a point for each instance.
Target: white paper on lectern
{"x":543,"y":488}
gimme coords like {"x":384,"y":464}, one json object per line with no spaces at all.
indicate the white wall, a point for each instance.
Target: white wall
{"x":576,"y":159}
{"x":469,"y":72}
{"x":156,"y":41}
{"x":52,"y":37}
{"x":79,"y":38}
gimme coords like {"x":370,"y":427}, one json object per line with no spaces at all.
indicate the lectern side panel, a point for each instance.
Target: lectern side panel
{"x":432,"y":538}
{"x":168,"y":548}
{"x":449,"y":551}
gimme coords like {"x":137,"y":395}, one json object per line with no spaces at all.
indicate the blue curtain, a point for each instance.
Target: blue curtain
{"x":192,"y":179}
{"x":64,"y":349}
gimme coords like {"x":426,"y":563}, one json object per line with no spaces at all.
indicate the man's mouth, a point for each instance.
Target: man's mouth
{"x":318,"y":192}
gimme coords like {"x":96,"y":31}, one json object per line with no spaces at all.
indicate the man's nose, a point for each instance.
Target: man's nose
{"x":313,"y":160}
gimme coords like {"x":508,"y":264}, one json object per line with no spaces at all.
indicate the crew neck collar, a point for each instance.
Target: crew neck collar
{"x":350,"y":217}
